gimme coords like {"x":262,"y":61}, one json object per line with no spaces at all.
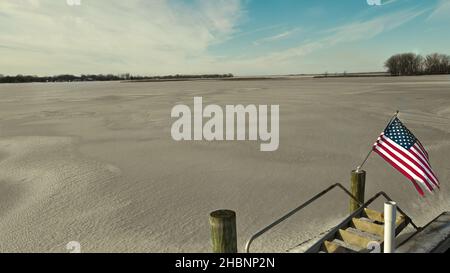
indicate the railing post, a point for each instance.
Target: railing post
{"x":390,"y":215}
{"x":223,"y":231}
{"x":358,"y":185}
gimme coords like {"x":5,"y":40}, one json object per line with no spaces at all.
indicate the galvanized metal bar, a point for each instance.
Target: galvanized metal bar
{"x":317,"y":245}
{"x":294,"y":211}
{"x":371,"y":150}
{"x":401,"y":211}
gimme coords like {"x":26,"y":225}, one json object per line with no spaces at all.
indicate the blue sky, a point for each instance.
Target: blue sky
{"x":244,"y":37}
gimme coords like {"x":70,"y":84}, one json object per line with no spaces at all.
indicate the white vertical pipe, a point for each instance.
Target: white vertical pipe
{"x":390,"y":211}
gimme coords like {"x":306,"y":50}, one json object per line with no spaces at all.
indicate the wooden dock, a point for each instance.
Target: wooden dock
{"x":433,"y":238}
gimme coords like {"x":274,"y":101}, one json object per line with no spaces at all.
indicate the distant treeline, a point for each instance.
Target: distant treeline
{"x":408,"y":64}
{"x":101,"y":77}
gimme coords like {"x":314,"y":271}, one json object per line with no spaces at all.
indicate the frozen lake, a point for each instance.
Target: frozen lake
{"x":96,"y":163}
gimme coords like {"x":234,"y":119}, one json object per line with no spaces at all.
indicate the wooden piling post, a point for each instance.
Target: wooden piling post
{"x":358,"y":185}
{"x":223,"y":231}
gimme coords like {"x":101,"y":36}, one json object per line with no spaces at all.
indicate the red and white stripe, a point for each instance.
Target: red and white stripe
{"x":413,"y":163}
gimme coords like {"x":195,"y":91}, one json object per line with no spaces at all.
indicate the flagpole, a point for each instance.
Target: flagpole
{"x":371,"y":150}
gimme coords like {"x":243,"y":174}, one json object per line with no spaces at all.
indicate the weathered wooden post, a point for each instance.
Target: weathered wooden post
{"x":223,"y":231}
{"x":358,"y":186}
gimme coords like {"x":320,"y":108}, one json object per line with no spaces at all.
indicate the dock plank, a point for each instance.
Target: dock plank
{"x":434,"y":238}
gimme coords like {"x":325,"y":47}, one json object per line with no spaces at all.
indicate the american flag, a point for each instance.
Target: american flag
{"x":400,"y":148}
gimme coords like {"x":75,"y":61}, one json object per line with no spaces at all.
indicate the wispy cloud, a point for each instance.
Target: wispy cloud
{"x":256,"y":31}
{"x":171,"y":36}
{"x":355,"y":31}
{"x":277,"y":37}
{"x":158,"y":36}
{"x":441,"y":11}
{"x":290,"y":59}
{"x":388,"y":2}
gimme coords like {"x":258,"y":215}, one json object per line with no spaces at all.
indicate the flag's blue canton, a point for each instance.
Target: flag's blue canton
{"x":397,"y":132}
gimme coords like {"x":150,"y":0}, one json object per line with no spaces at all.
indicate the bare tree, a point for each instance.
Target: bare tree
{"x":432,"y":63}
{"x":444,"y":64}
{"x":412,"y":64}
{"x":405,"y":64}
{"x":393,"y":65}
{"x":437,"y":63}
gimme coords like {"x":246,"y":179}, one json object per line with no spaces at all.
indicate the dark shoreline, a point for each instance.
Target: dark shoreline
{"x":106,"y":78}
{"x":257,"y":78}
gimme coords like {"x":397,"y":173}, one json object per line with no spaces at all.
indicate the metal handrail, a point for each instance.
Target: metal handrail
{"x":294,"y":211}
{"x":420,"y":229}
{"x":390,"y":199}
{"x":358,"y":211}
